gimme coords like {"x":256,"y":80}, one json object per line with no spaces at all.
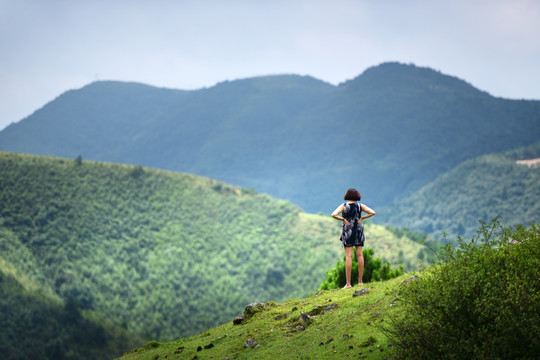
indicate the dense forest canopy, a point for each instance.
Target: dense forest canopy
{"x":479,"y":189}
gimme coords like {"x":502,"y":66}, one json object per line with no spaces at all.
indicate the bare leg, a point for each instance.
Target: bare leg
{"x":360,"y":258}
{"x":348,"y":266}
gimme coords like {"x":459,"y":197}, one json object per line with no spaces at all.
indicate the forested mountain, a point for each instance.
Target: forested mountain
{"x":160,"y":254}
{"x":388,"y":132}
{"x":478,"y":189}
{"x":37,"y":325}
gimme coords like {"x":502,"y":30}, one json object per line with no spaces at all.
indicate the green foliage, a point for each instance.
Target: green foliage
{"x":404,"y":231}
{"x":374,"y":270}
{"x":34,"y":327}
{"x":482,"y":188}
{"x":358,"y":327}
{"x":481,"y":302}
{"x":273,"y":133}
{"x":426,"y":255}
{"x":161,"y":254}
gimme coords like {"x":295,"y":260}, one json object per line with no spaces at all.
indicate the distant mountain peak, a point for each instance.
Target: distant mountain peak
{"x":405,"y":76}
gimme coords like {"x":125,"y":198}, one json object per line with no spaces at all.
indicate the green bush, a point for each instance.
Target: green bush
{"x":374,"y":270}
{"x":482,"y":301}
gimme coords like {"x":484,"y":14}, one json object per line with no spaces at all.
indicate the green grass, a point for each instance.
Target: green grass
{"x":350,"y":331}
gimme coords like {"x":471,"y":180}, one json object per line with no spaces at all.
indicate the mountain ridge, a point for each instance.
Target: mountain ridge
{"x":388,"y":132}
{"x":414,"y":75}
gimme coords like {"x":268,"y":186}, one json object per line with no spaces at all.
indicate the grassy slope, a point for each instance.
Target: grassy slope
{"x":163,"y":254}
{"x":454,"y":310}
{"x":341,"y":333}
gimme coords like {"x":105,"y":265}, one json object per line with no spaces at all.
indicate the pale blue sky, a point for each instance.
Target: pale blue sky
{"x":50,"y":46}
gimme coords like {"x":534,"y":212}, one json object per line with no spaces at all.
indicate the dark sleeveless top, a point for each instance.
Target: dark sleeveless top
{"x":353,"y":234}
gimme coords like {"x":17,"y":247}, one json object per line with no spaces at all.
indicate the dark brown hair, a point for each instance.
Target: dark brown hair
{"x":352,"y":194}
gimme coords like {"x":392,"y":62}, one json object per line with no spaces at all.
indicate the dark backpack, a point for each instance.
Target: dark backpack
{"x":351,"y":215}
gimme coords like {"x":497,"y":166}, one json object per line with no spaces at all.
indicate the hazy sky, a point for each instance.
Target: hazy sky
{"x":50,"y":46}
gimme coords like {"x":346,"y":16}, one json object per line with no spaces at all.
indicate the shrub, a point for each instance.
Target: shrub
{"x":482,"y":301}
{"x":374,"y":270}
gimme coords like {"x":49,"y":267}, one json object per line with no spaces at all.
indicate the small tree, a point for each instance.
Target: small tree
{"x":374,"y":270}
{"x":137,"y":171}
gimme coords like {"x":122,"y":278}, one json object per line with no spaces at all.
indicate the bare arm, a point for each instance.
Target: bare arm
{"x":336,"y":215}
{"x":369,"y":212}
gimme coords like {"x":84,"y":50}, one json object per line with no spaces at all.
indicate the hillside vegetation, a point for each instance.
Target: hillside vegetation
{"x":480,"y":302}
{"x":35,"y":325}
{"x":388,"y":132}
{"x":164,"y":254}
{"x":479,"y":189}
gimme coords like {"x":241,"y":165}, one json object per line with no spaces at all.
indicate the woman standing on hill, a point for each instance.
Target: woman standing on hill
{"x":353,"y":231}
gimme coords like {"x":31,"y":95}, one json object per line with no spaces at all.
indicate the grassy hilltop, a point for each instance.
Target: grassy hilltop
{"x":482,"y":301}
{"x":159,"y":254}
{"x":348,"y":329}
